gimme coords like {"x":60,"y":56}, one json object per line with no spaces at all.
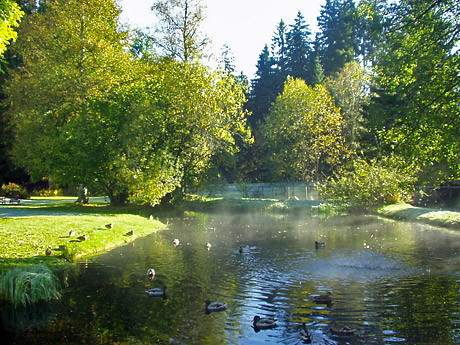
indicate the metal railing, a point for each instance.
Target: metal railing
{"x":280,"y":191}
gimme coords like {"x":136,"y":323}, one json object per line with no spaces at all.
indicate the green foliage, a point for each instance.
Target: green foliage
{"x":25,"y":286}
{"x":416,"y":101}
{"x":350,"y":88}
{"x":10,"y":15}
{"x":371,"y":184}
{"x":98,"y":124}
{"x":337,"y":40}
{"x":72,"y":54}
{"x":49,"y":192}
{"x":179,"y":33}
{"x":303,"y":132}
{"x":12,"y":190}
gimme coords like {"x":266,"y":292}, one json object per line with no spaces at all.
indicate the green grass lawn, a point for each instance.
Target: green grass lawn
{"x":25,"y":239}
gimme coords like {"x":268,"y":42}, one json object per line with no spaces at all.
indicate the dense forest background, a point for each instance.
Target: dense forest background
{"x":368,"y":105}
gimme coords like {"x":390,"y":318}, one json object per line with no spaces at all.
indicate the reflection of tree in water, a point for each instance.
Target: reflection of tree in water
{"x":23,"y":319}
{"x":411,"y":305}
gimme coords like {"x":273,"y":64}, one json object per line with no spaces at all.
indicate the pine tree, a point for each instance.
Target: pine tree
{"x":338,"y":34}
{"x":298,"y":48}
{"x":264,"y":89}
{"x":279,"y":47}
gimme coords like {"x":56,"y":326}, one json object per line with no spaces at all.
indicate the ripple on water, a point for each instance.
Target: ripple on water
{"x":367,"y":266}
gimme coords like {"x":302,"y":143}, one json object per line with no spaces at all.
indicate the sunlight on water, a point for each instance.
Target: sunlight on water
{"x":391,"y":282}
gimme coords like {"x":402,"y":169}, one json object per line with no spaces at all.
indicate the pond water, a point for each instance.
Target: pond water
{"x":392,"y":282}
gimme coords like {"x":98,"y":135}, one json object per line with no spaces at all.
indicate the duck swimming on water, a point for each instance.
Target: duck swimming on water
{"x":156,"y":292}
{"x":263,"y":323}
{"x":319,"y":244}
{"x":324,"y":299}
{"x":150,"y":273}
{"x":215,"y":306}
{"x":305,"y":335}
{"x":339,"y":329}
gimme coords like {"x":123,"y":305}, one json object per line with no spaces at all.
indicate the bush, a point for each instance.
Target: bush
{"x":28,"y":286}
{"x":49,"y":192}
{"x":12,"y":190}
{"x":371,"y":184}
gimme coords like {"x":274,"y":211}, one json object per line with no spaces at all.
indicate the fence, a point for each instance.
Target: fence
{"x":281,"y":191}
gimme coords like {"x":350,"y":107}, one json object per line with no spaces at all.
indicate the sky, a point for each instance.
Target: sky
{"x":244,"y":25}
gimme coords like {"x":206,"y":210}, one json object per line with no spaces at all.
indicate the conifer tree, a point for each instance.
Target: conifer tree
{"x":298,"y":48}
{"x":338,"y":35}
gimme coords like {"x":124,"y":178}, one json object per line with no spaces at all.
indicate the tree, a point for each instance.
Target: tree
{"x":205,"y":117}
{"x":98,"y":123}
{"x":303,"y":132}
{"x":280,"y":48}
{"x":10,"y":15}
{"x":178,"y":32}
{"x":337,"y":38}
{"x":72,"y":53}
{"x":264,"y":90}
{"x":371,"y":28}
{"x":418,"y":74}
{"x":298,"y":49}
{"x":350,"y":89}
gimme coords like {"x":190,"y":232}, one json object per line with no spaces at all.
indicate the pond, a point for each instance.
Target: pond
{"x":391,"y":282}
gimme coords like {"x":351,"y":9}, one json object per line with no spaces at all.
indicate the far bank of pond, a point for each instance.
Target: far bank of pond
{"x":436,"y":217}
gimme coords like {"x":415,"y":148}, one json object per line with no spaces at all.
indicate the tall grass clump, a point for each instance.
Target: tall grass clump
{"x":371,"y":184}
{"x":27,"y":286}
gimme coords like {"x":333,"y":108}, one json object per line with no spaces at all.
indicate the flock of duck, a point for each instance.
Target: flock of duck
{"x":259,"y":323}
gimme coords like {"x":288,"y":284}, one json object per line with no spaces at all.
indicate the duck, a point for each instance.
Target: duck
{"x":176,"y":242}
{"x":263,"y":323}
{"x":208,"y":246}
{"x":339,"y":329}
{"x":71,"y":233}
{"x":319,"y":244}
{"x":130,"y":233}
{"x":156,"y":292}
{"x":215,"y":306}
{"x":151,"y":217}
{"x":305,"y":335}
{"x":48,"y":251}
{"x":83,"y":237}
{"x":325,"y":299}
{"x":109,"y":225}
{"x":150,"y":273}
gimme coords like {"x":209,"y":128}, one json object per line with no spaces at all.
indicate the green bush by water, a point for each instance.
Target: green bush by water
{"x":25,"y":286}
{"x":371,"y":184}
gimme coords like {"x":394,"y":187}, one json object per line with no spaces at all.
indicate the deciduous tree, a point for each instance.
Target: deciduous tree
{"x":10,"y":15}
{"x":418,"y":74}
{"x":178,"y":33}
{"x":303,"y":132}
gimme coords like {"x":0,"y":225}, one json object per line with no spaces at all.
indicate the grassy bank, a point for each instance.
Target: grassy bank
{"x":447,"y":219}
{"x":249,"y":205}
{"x":27,"y":235}
{"x":39,"y":235}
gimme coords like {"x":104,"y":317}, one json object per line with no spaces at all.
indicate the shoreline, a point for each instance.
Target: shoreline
{"x":436,"y":217}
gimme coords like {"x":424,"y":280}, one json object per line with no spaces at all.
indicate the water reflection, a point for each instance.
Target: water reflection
{"x":390,"y":281}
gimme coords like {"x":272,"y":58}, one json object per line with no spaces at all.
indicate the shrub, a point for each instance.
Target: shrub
{"x":371,"y":184}
{"x":49,"y":192}
{"x":12,"y":190}
{"x":28,"y":286}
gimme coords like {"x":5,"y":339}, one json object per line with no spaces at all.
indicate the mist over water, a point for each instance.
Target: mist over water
{"x":392,"y":282}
